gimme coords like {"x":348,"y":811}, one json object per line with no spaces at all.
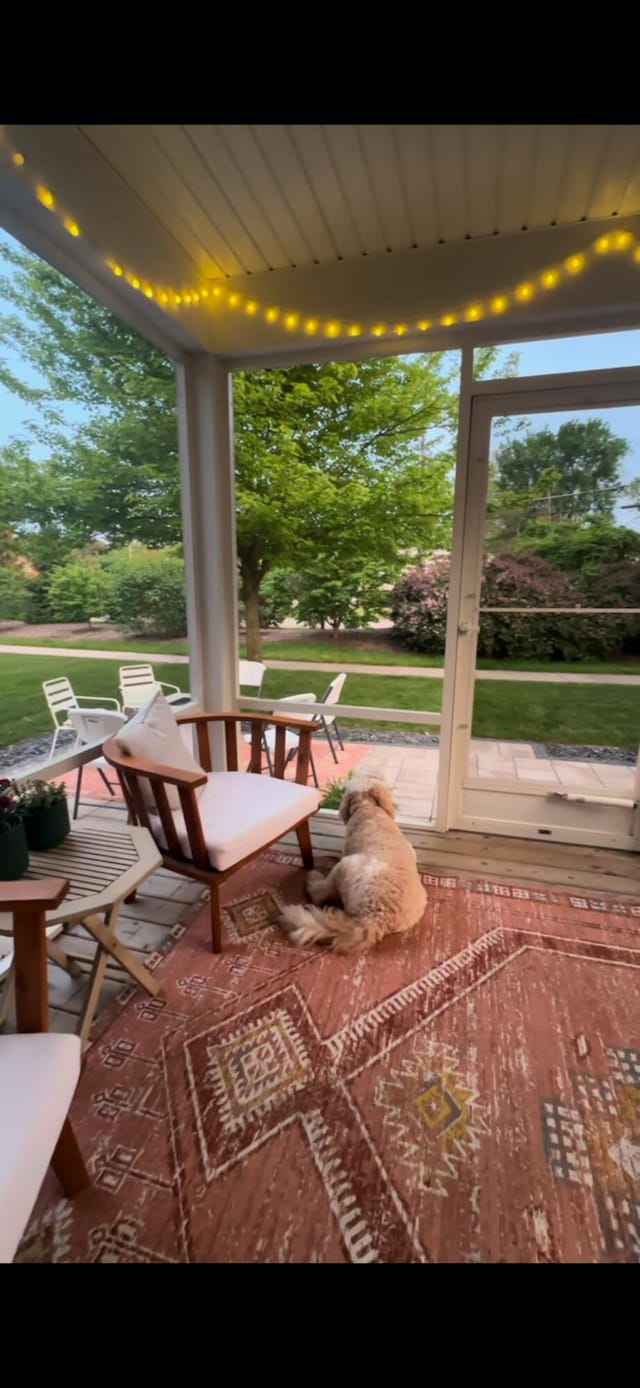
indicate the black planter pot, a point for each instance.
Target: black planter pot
{"x":47,"y":826}
{"x":14,"y":854}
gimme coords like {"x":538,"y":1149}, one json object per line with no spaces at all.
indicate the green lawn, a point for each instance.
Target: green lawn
{"x":589,"y":714}
{"x":23,"y":711}
{"x":332,"y":653}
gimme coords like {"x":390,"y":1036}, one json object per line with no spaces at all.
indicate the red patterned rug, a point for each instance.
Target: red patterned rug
{"x":469,"y":1092}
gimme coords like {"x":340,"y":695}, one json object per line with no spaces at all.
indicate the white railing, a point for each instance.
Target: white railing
{"x":379,"y":715}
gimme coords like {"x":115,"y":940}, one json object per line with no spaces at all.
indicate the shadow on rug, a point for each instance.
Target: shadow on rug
{"x":469,"y":1092}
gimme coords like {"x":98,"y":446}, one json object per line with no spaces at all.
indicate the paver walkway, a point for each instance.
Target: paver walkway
{"x":331,"y":668}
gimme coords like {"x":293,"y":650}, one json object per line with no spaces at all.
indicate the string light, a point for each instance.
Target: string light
{"x":610,"y":242}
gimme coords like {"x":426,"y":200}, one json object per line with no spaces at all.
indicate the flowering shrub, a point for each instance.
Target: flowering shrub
{"x":11,"y":807}
{"x":419,"y":609}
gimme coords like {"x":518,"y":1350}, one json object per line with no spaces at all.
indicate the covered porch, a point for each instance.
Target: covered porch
{"x":264,"y":1083}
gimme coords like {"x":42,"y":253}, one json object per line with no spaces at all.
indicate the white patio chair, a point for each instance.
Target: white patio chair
{"x":332,"y":696}
{"x":61,"y":697}
{"x":94,"y":725}
{"x":251,"y":675}
{"x":292,"y":740}
{"x":138,"y":685}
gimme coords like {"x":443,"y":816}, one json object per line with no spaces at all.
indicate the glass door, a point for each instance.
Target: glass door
{"x":546,"y":720}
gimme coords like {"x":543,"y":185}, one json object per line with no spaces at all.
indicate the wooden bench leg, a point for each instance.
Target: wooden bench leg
{"x":68,"y":1162}
{"x":216,"y":920}
{"x":304,"y":840}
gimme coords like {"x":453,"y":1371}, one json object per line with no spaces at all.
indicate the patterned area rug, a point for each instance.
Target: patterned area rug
{"x":469,"y":1092}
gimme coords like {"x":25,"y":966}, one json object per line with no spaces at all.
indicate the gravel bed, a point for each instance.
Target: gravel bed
{"x":34,"y":749}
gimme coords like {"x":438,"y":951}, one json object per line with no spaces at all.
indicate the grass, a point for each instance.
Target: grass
{"x":23,"y":711}
{"x":330,"y":652}
{"x":528,"y":712}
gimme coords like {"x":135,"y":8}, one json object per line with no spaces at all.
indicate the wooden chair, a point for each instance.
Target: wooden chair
{"x":38,"y":1073}
{"x":235,"y":817}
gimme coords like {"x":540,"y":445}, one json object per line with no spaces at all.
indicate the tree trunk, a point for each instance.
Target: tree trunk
{"x":251,"y":599}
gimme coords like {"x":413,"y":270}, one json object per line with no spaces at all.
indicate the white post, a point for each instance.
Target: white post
{"x":208,"y":512}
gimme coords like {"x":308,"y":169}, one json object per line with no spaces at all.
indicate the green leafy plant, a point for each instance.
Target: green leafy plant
{"x":41,"y":795}
{"x":12,"y":809}
{"x":333,"y":793}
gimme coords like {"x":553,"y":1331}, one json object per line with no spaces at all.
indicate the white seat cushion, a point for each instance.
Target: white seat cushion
{"x":153,"y":735}
{"x":241,"y":813}
{"x":38,"y":1076}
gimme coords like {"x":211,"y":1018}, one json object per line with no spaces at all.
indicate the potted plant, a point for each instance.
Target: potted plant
{"x":46,"y":814}
{"x":14,"y":849}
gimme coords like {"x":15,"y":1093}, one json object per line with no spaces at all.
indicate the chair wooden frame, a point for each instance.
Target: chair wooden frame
{"x":197,"y":865}
{"x":29,"y":902}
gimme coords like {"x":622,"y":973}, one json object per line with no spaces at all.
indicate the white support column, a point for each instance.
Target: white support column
{"x":208,"y":510}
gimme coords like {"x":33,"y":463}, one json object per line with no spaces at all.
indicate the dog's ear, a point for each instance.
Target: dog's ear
{"x":348,"y":804}
{"x":380,"y":793}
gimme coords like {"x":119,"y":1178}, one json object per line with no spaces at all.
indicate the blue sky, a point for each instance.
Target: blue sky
{"x":568,"y":354}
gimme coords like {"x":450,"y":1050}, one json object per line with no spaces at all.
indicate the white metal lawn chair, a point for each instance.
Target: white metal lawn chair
{"x":61,"y":699}
{"x":292,"y":739}
{"x":94,"y":725}
{"x":138,"y":685}
{"x":251,"y":675}
{"x":328,"y":720}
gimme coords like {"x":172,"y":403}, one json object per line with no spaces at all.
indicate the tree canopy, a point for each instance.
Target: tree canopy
{"x":572,"y":473}
{"x":339,"y":467}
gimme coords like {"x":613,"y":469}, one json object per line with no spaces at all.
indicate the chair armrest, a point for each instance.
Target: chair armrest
{"x":97,"y":702}
{"x":43,"y":894}
{"x":173,"y":687}
{"x":152,"y":770}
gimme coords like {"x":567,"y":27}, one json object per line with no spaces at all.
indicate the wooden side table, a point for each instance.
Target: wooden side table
{"x":104,"y":864}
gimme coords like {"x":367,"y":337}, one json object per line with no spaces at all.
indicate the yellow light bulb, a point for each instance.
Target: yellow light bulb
{"x":217,"y":291}
{"x":311,"y":325}
{"x":474,"y":313}
{"x":499,"y":304}
{"x":163,"y":297}
{"x":71,"y":226}
{"x":400,"y":329}
{"x":133,"y":281}
{"x":234,"y":300}
{"x":636,"y":253}
{"x":45,"y":197}
{"x":18,"y":160}
{"x":378,"y":330}
{"x":148,"y":292}
{"x":252,"y":306}
{"x":524,"y":292}
{"x":117,"y":270}
{"x":177,"y":299}
{"x":448,"y":320}
{"x":575,"y":264}
{"x":603,"y":244}
{"x":204,"y":293}
{"x":354,"y":330}
{"x":332,"y":329}
{"x":623,"y":239}
{"x":271,"y":315}
{"x":291,"y":320}
{"x":424,"y":325}
{"x":550,"y":279}
{"x":186,"y":298}
{"x":195,"y":298}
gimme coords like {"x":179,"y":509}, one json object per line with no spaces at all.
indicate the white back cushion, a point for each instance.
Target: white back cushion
{"x":153,"y":735}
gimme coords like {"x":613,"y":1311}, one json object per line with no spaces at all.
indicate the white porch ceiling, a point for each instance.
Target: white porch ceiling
{"x":340,"y":220}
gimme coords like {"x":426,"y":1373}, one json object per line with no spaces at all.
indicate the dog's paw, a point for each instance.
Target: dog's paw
{"x":314,"y":883}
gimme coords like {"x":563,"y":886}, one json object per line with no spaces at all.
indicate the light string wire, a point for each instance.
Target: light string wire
{"x":216,"y":295}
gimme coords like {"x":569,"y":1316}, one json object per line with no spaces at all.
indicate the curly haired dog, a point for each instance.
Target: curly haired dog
{"x":374,"y":890}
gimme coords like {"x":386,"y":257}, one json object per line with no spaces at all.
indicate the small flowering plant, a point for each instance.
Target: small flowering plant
{"x":12,"y":810}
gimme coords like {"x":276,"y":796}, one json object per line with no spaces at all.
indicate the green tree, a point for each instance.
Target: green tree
{"x":77,"y":591}
{"x":349,"y":461}
{"x":336,"y":596}
{"x":583,"y":546}
{"x":573,"y":473}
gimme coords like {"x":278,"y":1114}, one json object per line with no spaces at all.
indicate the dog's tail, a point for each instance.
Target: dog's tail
{"x":306,"y":925}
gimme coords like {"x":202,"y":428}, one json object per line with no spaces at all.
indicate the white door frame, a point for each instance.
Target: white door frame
{"x":475,"y":804}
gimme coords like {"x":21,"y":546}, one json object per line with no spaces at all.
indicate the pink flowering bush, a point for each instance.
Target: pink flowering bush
{"x":419,"y":609}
